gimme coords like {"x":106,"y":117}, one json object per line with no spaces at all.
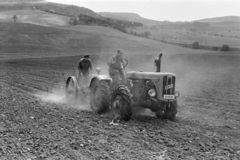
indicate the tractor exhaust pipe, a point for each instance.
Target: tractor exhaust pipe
{"x":158,"y":62}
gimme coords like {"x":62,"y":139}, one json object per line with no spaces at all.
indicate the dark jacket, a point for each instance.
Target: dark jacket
{"x":85,"y":66}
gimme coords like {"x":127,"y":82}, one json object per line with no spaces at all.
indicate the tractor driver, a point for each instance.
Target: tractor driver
{"x":85,"y":66}
{"x":116,"y":67}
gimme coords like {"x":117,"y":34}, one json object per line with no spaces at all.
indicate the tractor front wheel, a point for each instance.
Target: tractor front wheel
{"x":99,"y":101}
{"x":121,"y":103}
{"x":169,"y":112}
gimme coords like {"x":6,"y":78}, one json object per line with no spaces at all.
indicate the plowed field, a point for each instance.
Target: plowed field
{"x":35,"y":122}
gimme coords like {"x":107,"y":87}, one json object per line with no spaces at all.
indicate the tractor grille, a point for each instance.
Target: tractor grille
{"x":168,"y":85}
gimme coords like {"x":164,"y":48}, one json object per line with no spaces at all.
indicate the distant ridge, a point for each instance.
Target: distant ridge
{"x":137,"y":18}
{"x":122,"y":16}
{"x":221,"y":19}
{"x":129,"y":17}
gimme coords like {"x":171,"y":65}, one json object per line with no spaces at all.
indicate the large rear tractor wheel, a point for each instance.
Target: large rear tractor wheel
{"x":71,"y":90}
{"x":99,"y":97}
{"x":121,"y":103}
{"x":169,"y":112}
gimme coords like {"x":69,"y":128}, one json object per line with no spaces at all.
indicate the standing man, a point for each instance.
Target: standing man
{"x":116,"y":67}
{"x":157,"y":63}
{"x":85,"y":67}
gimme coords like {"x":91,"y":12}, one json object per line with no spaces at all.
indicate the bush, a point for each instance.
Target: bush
{"x":195,"y":45}
{"x":225,"y":47}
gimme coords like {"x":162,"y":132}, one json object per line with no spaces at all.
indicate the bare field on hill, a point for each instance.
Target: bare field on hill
{"x":31,"y":41}
{"x":35,"y":123}
{"x":34,"y":17}
{"x":213,"y":34}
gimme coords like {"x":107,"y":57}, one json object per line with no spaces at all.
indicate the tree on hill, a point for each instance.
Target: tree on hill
{"x":73,"y":20}
{"x":225,"y":47}
{"x":146,"y":34}
{"x":14,"y":18}
{"x":195,"y":45}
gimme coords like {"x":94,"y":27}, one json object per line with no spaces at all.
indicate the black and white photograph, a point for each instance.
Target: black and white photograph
{"x":119,"y":80}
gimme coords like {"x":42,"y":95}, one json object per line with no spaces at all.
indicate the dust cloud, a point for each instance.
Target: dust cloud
{"x":57,"y":96}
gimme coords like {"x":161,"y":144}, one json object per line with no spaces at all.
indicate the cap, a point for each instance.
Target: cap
{"x":119,"y":51}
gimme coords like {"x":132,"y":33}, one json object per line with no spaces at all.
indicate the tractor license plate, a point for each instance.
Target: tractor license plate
{"x":169,"y":97}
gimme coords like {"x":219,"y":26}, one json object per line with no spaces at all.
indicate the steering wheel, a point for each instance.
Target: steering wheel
{"x":125,"y":62}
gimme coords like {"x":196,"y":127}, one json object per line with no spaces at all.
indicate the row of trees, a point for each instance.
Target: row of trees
{"x":83,"y":19}
{"x":145,"y":34}
{"x":224,"y":47}
{"x":123,"y":26}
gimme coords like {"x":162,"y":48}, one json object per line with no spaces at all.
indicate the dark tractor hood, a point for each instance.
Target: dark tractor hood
{"x":147,"y":75}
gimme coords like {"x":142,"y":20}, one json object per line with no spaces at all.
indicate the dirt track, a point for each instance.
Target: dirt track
{"x":207,"y":126}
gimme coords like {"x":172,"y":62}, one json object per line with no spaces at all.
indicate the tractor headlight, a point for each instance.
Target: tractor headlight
{"x":152,"y":92}
{"x":177,"y":94}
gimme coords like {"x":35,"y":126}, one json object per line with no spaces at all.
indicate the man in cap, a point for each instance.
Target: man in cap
{"x":157,"y":63}
{"x":116,"y":67}
{"x":85,"y":67}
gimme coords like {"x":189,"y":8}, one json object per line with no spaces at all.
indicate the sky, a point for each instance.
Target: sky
{"x":169,"y":10}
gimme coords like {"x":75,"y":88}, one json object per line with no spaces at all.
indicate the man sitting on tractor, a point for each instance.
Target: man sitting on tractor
{"x":85,"y":68}
{"x":116,"y":68}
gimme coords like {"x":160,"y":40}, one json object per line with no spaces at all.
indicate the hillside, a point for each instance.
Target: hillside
{"x":34,"y":17}
{"x":27,"y":11}
{"x":21,"y":1}
{"x":221,"y":19}
{"x":212,"y":35}
{"x":137,"y":18}
{"x":60,"y":9}
{"x":28,"y":40}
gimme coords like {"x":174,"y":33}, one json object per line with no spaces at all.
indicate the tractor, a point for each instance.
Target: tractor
{"x":151,"y":90}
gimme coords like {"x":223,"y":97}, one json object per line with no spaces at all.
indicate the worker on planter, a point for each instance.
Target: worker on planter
{"x":85,"y":69}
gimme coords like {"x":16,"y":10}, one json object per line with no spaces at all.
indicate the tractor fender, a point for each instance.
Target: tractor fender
{"x":100,"y":78}
{"x":74,"y":79}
